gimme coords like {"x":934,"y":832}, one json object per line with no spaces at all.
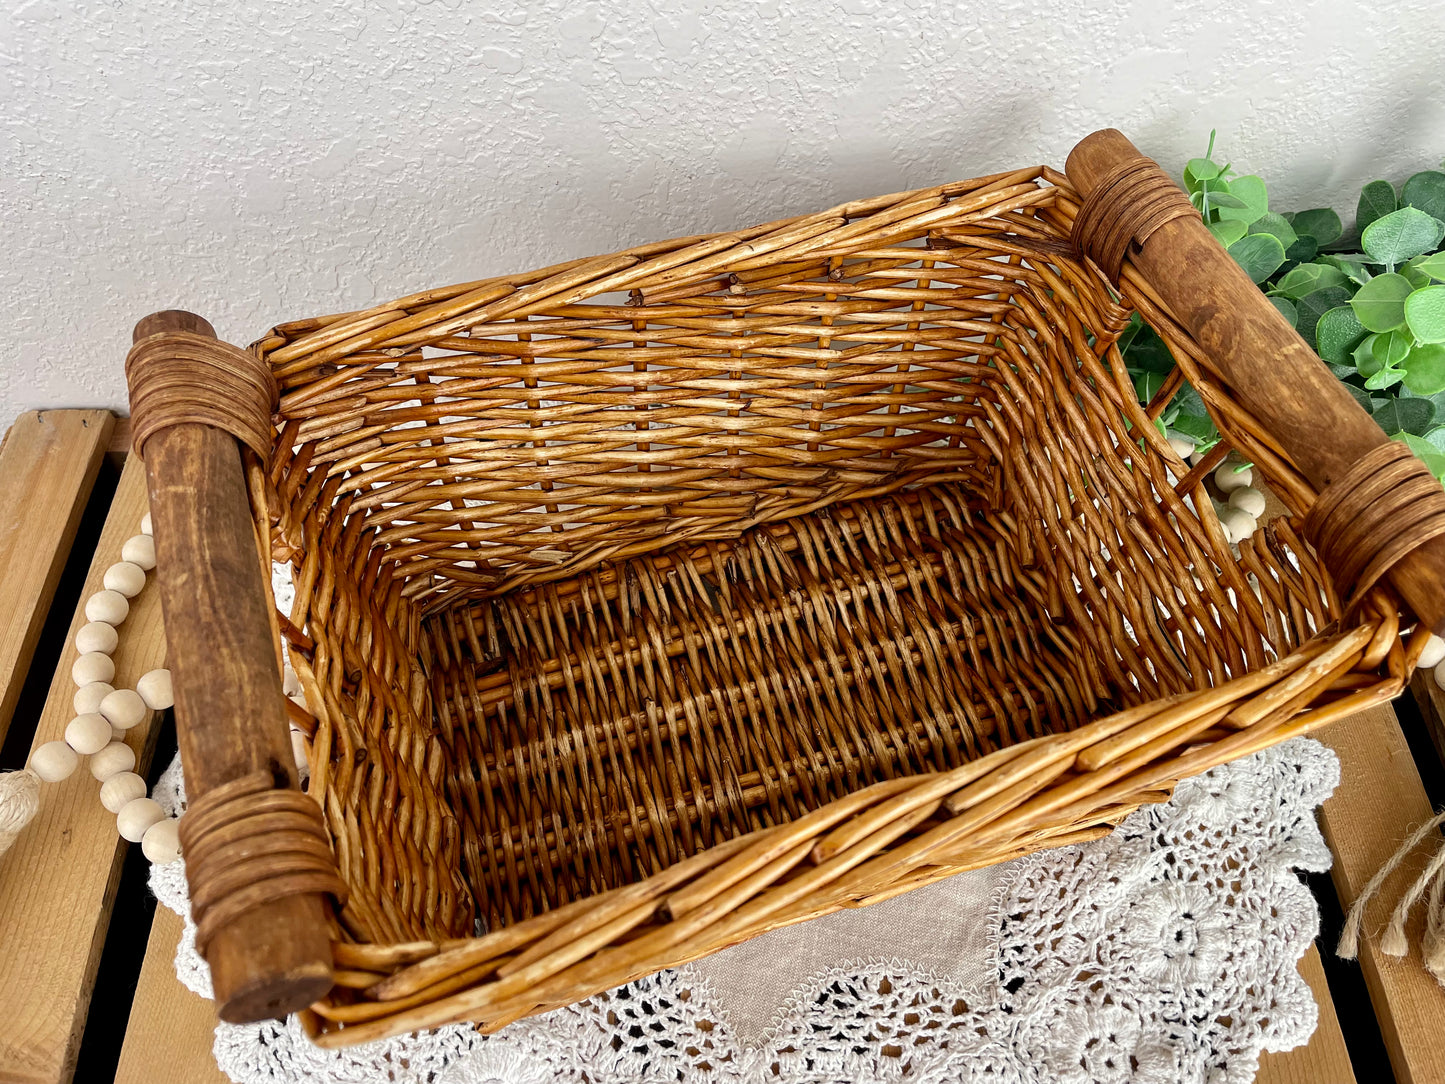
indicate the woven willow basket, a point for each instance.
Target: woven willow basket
{"x":649,"y":602}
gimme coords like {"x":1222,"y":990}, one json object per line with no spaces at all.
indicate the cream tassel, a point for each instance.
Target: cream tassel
{"x":1431,"y":880}
{"x":19,"y":802}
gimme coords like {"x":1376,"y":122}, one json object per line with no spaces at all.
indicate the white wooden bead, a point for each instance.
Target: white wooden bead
{"x":120,"y":790}
{"x":136,"y":816}
{"x":124,"y":708}
{"x":1439,"y":673}
{"x":1237,"y":523}
{"x":155,"y":689}
{"x":145,"y":524}
{"x":125,"y":578}
{"x":1183,"y":446}
{"x":87,"y":734}
{"x":290,"y":683}
{"x":53,"y":761}
{"x":162,"y":842}
{"x":1434,"y":653}
{"x":1247,"y":499}
{"x":140,"y":550}
{"x":108,"y":606}
{"x":92,"y":666}
{"x":115,"y":758}
{"x":1229,"y":477}
{"x":88,"y":697}
{"x":96,"y":636}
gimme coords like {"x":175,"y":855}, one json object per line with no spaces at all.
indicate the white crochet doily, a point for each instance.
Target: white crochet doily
{"x":1165,"y":952}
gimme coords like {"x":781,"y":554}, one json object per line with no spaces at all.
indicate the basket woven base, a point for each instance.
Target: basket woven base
{"x":647,"y":711}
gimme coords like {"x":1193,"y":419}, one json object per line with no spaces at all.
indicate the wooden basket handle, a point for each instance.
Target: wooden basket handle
{"x":268,"y":956}
{"x":1253,"y":349}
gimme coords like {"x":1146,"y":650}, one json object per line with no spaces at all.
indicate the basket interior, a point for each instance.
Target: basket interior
{"x":601,"y":565}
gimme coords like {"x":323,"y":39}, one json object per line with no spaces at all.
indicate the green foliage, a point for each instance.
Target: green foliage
{"x":1380,"y":303}
{"x":1401,"y":235}
{"x":1376,"y":316}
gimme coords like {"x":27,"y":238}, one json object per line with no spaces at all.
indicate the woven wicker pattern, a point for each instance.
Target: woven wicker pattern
{"x":650,"y":601}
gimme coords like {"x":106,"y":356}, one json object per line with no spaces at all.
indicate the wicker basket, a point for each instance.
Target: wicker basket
{"x":648,"y":602}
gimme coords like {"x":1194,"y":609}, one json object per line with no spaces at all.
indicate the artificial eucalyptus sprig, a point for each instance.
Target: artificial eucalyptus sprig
{"x":1371,"y":302}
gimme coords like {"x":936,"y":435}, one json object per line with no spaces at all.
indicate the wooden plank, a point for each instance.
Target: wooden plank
{"x":119,"y":447}
{"x":47,"y":468}
{"x":1324,"y":1059}
{"x":171,"y":1030}
{"x":1379,"y":800}
{"x":57,"y":884}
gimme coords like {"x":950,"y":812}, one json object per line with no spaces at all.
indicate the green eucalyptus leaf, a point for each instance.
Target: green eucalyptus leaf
{"x":1147,"y":385}
{"x":1337,"y":333}
{"x":1412,"y":272}
{"x":1352,"y":265}
{"x":1364,"y":354}
{"x":1314,"y":305}
{"x":1415,"y":415}
{"x":1260,"y":254}
{"x":1377,"y":199}
{"x":1200,"y":169}
{"x":1227,"y":232}
{"x":1276,"y":226}
{"x":1225,"y":201}
{"x":1249,"y":200}
{"x":1303,"y":250}
{"x":1427,"y":452}
{"x":1432,"y":265}
{"x":1427,"y":192}
{"x":1425,"y":370}
{"x":1199,"y":430}
{"x":1401,"y":234}
{"x":1385,"y":378}
{"x":1309,"y":277}
{"x":1321,"y":223}
{"x":1380,"y":303}
{"x":1286,"y":309}
{"x":1425,"y":314}
{"x":1189,"y":403}
{"x":1147,"y":353}
{"x":1391,"y":348}
{"x":1436,"y":434}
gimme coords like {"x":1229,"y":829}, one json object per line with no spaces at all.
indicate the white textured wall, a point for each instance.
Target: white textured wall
{"x":258,"y":161}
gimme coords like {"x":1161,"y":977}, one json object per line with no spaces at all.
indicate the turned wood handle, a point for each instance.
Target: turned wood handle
{"x":230,"y":712}
{"x":1266,"y":363}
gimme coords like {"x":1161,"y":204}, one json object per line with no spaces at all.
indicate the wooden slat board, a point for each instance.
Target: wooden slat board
{"x":171,"y":1030}
{"x":1379,"y":800}
{"x":1324,"y":1059}
{"x":58,"y":882}
{"x":48,"y":465}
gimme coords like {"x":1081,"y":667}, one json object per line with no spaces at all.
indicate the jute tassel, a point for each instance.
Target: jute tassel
{"x":19,"y":802}
{"x":1431,"y":881}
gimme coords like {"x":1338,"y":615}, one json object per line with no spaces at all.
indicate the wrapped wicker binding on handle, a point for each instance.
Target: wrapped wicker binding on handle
{"x":648,"y":602}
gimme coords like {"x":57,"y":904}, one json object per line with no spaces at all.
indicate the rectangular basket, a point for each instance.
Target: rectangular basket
{"x":648,"y":602}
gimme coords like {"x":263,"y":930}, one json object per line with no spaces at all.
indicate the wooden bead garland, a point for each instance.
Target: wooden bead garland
{"x":120,"y":790}
{"x":104,"y":713}
{"x":97,"y":636}
{"x":54,"y":761}
{"x":88,"y":697}
{"x":87,"y":734}
{"x":115,"y":758}
{"x":109,"y":606}
{"x":140,"y":551}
